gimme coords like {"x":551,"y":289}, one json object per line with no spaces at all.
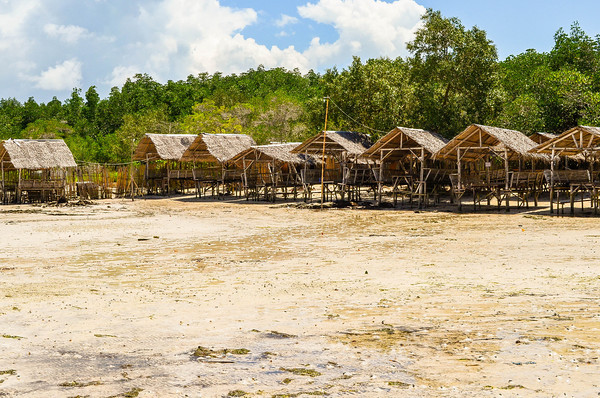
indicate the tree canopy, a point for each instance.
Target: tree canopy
{"x":451,"y":78}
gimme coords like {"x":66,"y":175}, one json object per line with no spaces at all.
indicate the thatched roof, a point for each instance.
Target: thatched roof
{"x":402,"y":140}
{"x":578,"y":140}
{"x":542,"y":137}
{"x":217,"y":148}
{"x":274,"y":152}
{"x":477,"y":141}
{"x":163,"y":146}
{"x":349,"y":142}
{"x":36,"y":154}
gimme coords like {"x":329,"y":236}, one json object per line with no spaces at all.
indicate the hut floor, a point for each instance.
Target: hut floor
{"x":177,"y":296}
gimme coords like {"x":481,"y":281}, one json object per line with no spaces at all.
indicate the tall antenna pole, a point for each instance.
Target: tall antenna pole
{"x":323,"y":155}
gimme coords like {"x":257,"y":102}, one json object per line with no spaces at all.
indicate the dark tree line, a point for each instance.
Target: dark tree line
{"x":452,"y":78}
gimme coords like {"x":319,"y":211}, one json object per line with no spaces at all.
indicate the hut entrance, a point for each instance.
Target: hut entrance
{"x":345,"y":174}
{"x":405,"y":164}
{"x":494,"y":163}
{"x":36,"y":171}
{"x":580,"y":144}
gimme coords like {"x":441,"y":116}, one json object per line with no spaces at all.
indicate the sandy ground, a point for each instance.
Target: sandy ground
{"x":115,"y":298}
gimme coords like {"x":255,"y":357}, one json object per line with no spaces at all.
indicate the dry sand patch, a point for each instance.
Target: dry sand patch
{"x":115,"y":299}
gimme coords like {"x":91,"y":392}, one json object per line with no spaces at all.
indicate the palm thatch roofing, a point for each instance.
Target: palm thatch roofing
{"x":274,"y":152}
{"x":336,"y":142}
{"x":542,"y":137}
{"x":162,"y":146}
{"x":217,"y":148}
{"x":36,"y":154}
{"x":402,"y":140}
{"x":578,"y":140}
{"x":477,"y":141}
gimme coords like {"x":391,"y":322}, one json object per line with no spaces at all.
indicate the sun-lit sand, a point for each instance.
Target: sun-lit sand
{"x":114,"y":299}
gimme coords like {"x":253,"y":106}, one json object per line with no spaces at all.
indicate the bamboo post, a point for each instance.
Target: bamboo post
{"x":323,"y":155}
{"x":422,"y":178}
{"x":552,"y":181}
{"x":506,"y":182}
{"x":18,"y":191}
{"x":380,"y":182}
{"x":3,"y":184}
{"x":459,"y":179}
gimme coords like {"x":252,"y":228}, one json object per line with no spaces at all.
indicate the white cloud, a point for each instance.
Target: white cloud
{"x":192,"y":36}
{"x":368,"y":28}
{"x":286,"y":20}
{"x":120,"y":74}
{"x":64,"y":76}
{"x":14,"y":18}
{"x":68,"y":33}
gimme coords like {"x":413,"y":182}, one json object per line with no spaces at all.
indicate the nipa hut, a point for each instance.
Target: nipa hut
{"x":406,"y":152}
{"x":35,"y":170}
{"x":211,"y":155}
{"x":541,"y":137}
{"x":343,"y":166}
{"x":484,"y":156}
{"x":582,"y":142}
{"x":273,"y":167}
{"x":162,"y":153}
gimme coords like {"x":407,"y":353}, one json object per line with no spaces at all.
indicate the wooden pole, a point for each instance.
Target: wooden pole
{"x":422,"y":178}
{"x":323,"y":155}
{"x":506,"y":182}
{"x":459,"y":179}
{"x":380,"y":182}
{"x":552,"y":181}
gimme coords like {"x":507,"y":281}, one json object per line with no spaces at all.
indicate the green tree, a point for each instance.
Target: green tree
{"x":279,"y":120}
{"x":453,"y":72}
{"x":207,"y":117}
{"x":126,"y":138}
{"x":47,"y":129}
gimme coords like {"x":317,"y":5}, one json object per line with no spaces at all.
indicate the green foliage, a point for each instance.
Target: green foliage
{"x":208,"y":117}
{"x":453,"y":71}
{"x":134,"y":126}
{"x":451,"y":79}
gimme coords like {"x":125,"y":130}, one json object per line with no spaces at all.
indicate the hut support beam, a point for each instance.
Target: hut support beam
{"x":506,"y":182}
{"x":552,"y":181}
{"x":422,"y":187}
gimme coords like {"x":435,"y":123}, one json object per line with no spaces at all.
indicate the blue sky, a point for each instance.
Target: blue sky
{"x":48,"y":47}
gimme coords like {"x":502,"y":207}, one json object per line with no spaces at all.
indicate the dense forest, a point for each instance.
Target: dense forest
{"x":451,"y":78}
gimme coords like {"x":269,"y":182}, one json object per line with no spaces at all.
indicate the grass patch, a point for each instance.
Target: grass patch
{"x":280,"y":335}
{"x":80,"y":384}
{"x":8,"y":336}
{"x":400,"y":384}
{"x":237,"y":393}
{"x":512,"y":387}
{"x":104,"y":335}
{"x":302,"y":371}
{"x":287,"y":380}
{"x":133,"y":393}
{"x":298,"y":394}
{"x":206,"y":352}
{"x":10,"y":372}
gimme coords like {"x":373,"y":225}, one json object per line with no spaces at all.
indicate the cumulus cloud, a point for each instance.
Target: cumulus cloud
{"x":203,"y":35}
{"x":368,"y":28}
{"x":64,"y":76}
{"x":14,"y":18}
{"x":120,"y":74}
{"x":285,"y":20}
{"x":67,"y":33}
{"x":170,"y":39}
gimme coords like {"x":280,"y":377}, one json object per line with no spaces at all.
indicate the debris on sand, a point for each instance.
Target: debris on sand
{"x":205,"y":352}
{"x":302,"y":371}
{"x":280,"y":335}
{"x":80,"y":384}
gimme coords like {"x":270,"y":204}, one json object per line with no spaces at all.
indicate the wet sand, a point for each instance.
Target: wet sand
{"x":114,"y":299}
